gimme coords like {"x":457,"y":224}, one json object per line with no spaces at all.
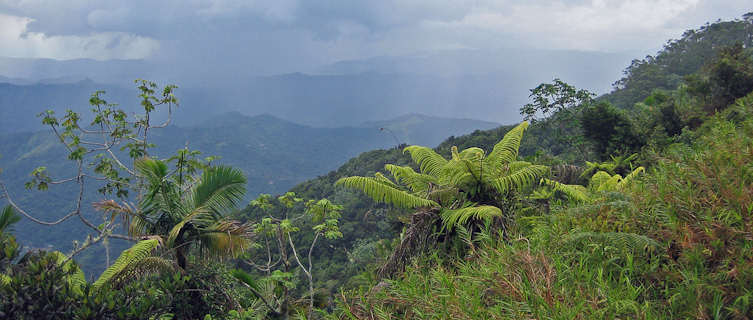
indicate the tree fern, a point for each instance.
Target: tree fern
{"x":133,"y":255}
{"x":469,"y":176}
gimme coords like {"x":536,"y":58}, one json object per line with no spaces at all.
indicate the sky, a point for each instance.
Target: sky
{"x":279,"y":36}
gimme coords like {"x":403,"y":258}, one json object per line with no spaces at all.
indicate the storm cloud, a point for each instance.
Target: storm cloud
{"x":332,"y":62}
{"x":276,"y":36}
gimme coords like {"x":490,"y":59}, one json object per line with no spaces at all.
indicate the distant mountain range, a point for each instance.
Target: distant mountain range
{"x":490,"y":85}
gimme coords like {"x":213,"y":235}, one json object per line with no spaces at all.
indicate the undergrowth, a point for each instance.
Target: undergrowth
{"x":676,"y":244}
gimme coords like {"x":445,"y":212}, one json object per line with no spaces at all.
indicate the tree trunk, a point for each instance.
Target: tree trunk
{"x":180,"y":255}
{"x":419,"y":238}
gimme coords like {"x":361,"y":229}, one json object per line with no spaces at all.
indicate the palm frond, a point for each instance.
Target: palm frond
{"x":138,"y":252}
{"x":522,"y":178}
{"x":138,"y":225}
{"x":221,"y":188}
{"x":506,"y":150}
{"x":226,"y":238}
{"x":153,"y":171}
{"x":381,"y":192}
{"x":428,"y":160}
{"x":454,"y":217}
{"x":7,"y":218}
{"x":179,"y":227}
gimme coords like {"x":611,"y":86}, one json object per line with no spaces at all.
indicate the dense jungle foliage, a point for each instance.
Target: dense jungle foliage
{"x":637,"y":204}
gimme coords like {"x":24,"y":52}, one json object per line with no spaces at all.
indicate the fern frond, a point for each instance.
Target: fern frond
{"x":146,"y":266}
{"x":134,"y":254}
{"x":506,"y":150}
{"x":594,"y":167}
{"x":381,"y":192}
{"x":379,"y":177}
{"x":465,"y":236}
{"x":517,"y":165}
{"x":452,"y":218}
{"x":610,"y":184}
{"x":77,"y":280}
{"x":522,"y":178}
{"x":461,"y":173}
{"x":4,"y":280}
{"x":443,"y":195}
{"x":472,"y":153}
{"x":572,"y":191}
{"x":598,"y":179}
{"x":629,"y":178}
{"x":417,"y":182}
{"x":428,"y":160}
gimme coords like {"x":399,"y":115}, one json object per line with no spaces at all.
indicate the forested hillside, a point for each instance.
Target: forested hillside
{"x":260,"y":146}
{"x":633,"y":205}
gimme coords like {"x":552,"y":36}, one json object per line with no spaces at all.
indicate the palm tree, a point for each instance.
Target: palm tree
{"x":187,"y":215}
{"x":468,"y":189}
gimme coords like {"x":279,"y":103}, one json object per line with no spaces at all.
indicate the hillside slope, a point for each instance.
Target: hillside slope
{"x":273,"y":153}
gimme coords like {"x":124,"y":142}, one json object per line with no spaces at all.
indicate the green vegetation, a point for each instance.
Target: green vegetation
{"x":641,"y":208}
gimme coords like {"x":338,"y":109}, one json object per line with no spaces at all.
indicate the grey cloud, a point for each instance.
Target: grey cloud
{"x":269,"y":36}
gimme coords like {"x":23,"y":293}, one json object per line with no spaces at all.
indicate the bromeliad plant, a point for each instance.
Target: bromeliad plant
{"x":469,"y":188}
